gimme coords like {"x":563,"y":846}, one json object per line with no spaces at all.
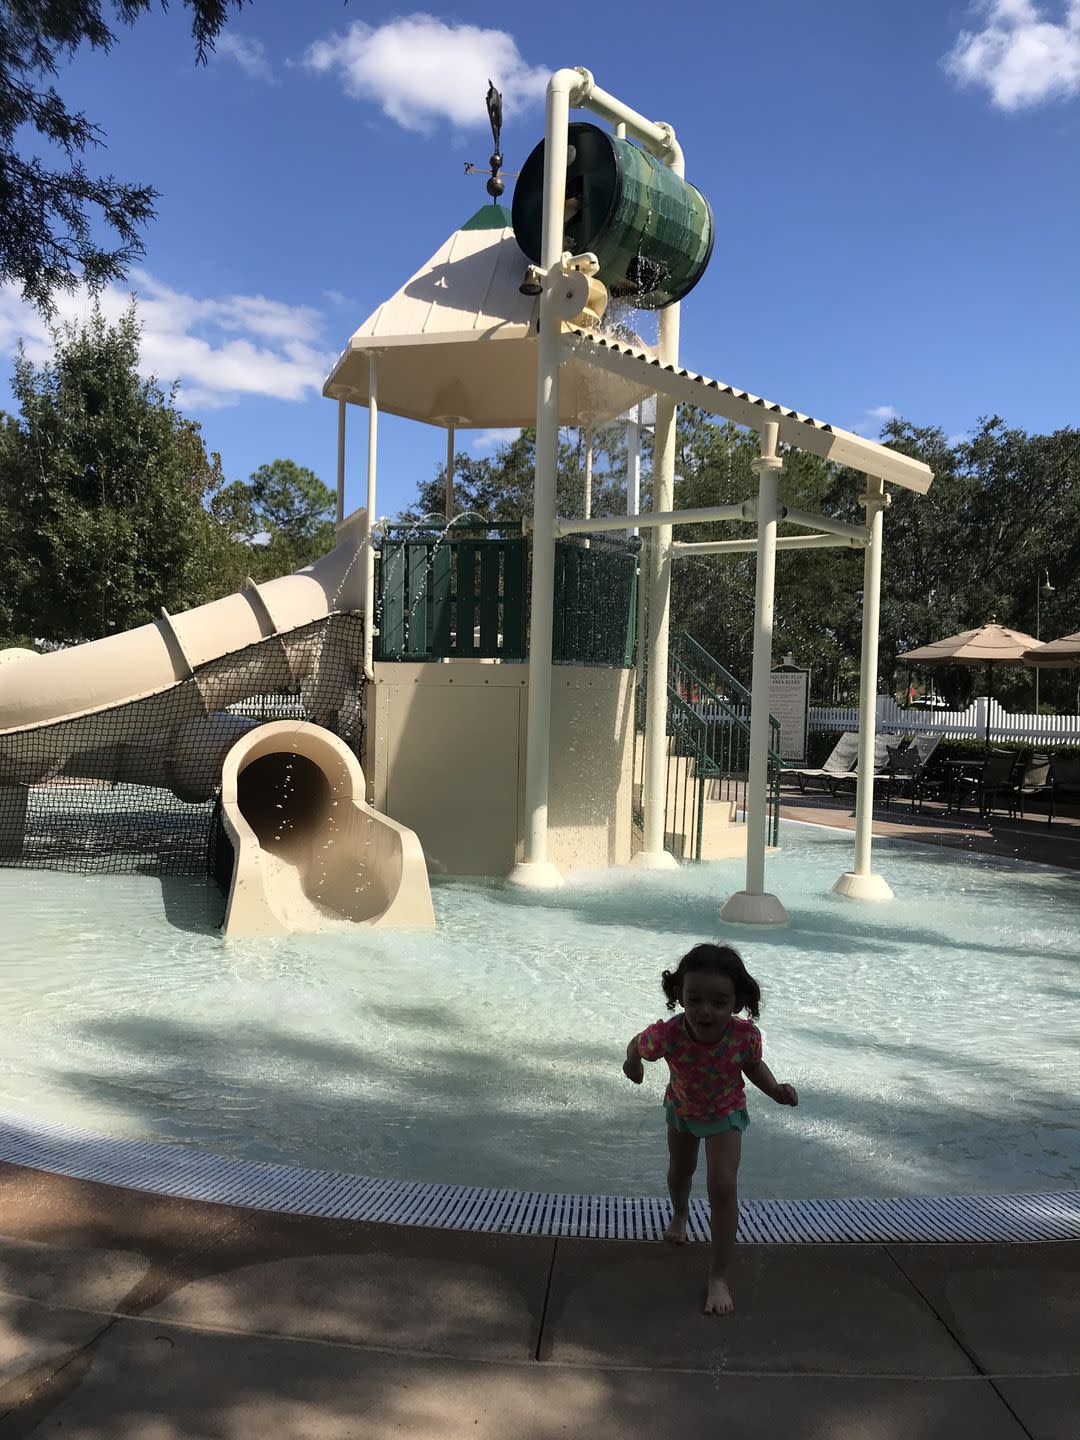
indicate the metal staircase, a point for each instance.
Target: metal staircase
{"x":708,"y":723}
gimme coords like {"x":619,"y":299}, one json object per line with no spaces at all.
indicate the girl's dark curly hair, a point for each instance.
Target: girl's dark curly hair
{"x":714,"y":960}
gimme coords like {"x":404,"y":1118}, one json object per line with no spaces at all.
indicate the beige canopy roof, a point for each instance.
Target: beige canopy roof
{"x":990,"y":644}
{"x":458,"y":343}
{"x":1060,"y":654}
{"x":630,"y":363}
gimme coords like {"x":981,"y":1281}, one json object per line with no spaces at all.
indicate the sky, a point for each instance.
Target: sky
{"x":894,"y":185}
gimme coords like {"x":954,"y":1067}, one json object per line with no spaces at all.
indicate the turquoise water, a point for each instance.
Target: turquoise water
{"x":935,"y":1041}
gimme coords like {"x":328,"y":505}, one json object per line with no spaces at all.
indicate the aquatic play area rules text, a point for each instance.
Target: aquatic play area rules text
{"x":789,"y":702}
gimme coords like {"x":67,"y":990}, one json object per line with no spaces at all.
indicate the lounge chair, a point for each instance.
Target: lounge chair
{"x":908,"y":770}
{"x":844,"y":754}
{"x":886,"y":748}
{"x":840,"y":768}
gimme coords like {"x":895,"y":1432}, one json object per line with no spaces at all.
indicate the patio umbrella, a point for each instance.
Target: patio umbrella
{"x":1063,"y":654}
{"x":991,"y":644}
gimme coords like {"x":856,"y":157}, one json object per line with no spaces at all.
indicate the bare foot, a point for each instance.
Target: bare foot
{"x":675,"y":1234}
{"x":718,"y":1301}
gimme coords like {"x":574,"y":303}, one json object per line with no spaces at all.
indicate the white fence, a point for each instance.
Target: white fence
{"x":969,"y":724}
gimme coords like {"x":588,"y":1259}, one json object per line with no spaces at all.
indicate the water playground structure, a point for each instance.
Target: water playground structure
{"x":451,"y":699}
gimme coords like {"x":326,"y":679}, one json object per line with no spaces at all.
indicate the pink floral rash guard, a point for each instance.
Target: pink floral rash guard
{"x":706,"y":1080}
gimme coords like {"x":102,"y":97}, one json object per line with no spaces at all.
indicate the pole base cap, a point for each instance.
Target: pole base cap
{"x":535,"y":875}
{"x":654,"y":860}
{"x":746,"y":909}
{"x":862,"y":887}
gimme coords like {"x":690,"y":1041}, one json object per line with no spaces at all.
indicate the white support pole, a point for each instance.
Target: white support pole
{"x":451,"y":435}
{"x":535,"y":871}
{"x":340,"y":511}
{"x":861,"y":883}
{"x":587,"y":497}
{"x":371,"y":504}
{"x":633,"y":505}
{"x":653,"y":855}
{"x":633,"y":468}
{"x":754,"y":906}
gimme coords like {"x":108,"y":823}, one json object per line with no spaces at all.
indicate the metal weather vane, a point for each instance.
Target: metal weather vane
{"x":495,"y":185}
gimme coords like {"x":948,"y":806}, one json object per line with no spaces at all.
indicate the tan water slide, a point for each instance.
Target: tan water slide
{"x":55,"y":709}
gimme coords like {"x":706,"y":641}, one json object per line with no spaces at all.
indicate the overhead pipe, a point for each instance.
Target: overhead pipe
{"x":742,"y":510}
{"x":746,"y":547}
{"x":809,"y":521}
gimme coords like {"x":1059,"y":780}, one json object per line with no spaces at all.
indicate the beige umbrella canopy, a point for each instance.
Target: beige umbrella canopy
{"x":1063,"y":654}
{"x":991,"y":644}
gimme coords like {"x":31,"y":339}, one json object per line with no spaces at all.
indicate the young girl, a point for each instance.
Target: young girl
{"x":708,"y":1050}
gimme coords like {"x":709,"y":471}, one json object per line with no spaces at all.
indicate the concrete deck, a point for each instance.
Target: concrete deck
{"x":131,"y":1317}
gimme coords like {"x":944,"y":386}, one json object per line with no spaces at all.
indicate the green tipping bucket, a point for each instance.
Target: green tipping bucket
{"x":651,"y":232}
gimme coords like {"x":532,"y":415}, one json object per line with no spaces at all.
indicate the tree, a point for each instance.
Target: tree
{"x":283,"y":517}
{"x":102,"y":490}
{"x":51,"y":219}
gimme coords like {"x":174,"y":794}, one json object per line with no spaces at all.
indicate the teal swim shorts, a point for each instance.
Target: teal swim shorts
{"x":737,"y":1120}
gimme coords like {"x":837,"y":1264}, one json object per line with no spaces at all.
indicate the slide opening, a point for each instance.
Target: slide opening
{"x":284,"y":797}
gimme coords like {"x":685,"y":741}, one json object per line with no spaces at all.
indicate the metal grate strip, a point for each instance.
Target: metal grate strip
{"x":187,"y":1173}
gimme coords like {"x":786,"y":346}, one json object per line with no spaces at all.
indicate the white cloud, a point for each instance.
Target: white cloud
{"x":1021,"y":56}
{"x":873,"y":420}
{"x":422,"y":70}
{"x":250,"y":55}
{"x":219,"y":349}
{"x":492,"y":439}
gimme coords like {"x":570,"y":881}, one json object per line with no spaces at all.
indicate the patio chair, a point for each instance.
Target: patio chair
{"x":1035,"y":778}
{"x":1065,"y":778}
{"x":997,"y":779}
{"x":908,"y":770}
{"x":843,"y":756}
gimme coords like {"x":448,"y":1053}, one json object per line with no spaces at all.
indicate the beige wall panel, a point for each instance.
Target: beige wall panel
{"x":445,"y":752}
{"x":447,"y":746}
{"x":592,"y":734}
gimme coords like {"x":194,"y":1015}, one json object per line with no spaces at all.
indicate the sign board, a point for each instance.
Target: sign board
{"x":789,"y":702}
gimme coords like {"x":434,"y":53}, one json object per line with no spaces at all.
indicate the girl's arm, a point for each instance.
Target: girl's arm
{"x":759,"y":1074}
{"x":633,"y":1069}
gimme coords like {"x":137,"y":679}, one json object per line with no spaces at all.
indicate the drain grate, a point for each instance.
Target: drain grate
{"x":191,"y":1174}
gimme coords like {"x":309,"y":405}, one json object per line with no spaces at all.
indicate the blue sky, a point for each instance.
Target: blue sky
{"x":895,"y":189}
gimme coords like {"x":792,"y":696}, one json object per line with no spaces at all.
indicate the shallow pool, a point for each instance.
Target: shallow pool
{"x":935,"y":1041}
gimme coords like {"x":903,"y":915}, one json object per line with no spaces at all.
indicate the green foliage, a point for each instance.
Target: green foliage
{"x":102,"y":489}
{"x":283,"y":518}
{"x":1003,"y":508}
{"x":498,"y":490}
{"x":51,"y":220}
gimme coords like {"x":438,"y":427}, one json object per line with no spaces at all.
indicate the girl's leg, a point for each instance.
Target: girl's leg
{"x":723,"y":1152}
{"x":682,"y":1162}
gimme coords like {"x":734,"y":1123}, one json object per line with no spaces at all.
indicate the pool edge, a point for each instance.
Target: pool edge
{"x":188,"y":1173}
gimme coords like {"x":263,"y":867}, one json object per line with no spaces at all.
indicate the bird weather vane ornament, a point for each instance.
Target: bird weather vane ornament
{"x":496,"y":183}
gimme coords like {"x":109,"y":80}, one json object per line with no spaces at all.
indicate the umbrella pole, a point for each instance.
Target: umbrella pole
{"x":989,"y":697}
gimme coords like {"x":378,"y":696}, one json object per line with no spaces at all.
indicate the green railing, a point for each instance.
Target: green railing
{"x":723,"y":704}
{"x":708,"y":728}
{"x":463,"y":595}
{"x":684,"y":801}
{"x":451,"y":597}
{"x":595,"y":614}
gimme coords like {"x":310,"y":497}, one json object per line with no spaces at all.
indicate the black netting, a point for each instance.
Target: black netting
{"x":134,"y":788}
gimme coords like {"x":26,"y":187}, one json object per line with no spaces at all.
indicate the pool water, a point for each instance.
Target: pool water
{"x":935,"y":1041}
